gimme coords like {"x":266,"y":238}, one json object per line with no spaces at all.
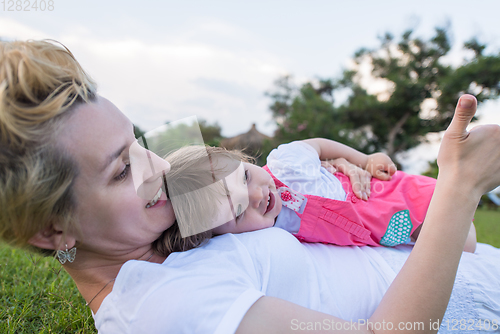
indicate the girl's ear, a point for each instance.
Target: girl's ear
{"x":51,"y":237}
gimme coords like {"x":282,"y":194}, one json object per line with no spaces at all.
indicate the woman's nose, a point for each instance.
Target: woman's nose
{"x":147,"y":171}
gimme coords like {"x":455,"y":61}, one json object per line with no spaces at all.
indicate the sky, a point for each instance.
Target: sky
{"x":160,"y":61}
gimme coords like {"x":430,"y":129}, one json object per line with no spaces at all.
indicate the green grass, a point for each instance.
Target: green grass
{"x":487,"y":224}
{"x":37,"y":296}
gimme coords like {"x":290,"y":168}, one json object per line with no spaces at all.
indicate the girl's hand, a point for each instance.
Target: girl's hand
{"x":380,"y":166}
{"x":470,"y":159}
{"x":360,"y":179}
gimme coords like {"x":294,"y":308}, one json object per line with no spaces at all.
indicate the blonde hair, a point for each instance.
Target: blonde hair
{"x":189,"y":172}
{"x":40,"y":84}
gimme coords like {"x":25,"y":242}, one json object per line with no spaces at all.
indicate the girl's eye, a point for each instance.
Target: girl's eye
{"x":239,"y":212}
{"x":124,"y":173}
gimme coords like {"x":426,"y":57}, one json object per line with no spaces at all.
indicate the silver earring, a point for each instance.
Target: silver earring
{"x":67,"y":255}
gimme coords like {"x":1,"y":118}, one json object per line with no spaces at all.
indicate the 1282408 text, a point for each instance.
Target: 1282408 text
{"x":27,"y":5}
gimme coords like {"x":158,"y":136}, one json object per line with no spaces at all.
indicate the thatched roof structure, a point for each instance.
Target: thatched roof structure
{"x":250,"y":141}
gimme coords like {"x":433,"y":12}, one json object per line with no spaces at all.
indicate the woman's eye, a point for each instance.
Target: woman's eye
{"x":245,"y":177}
{"x":124,"y":173}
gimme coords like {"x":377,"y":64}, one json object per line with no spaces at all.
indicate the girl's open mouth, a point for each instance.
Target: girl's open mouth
{"x":270,"y":202}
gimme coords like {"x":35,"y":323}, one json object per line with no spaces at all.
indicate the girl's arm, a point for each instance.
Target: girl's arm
{"x":378,"y":165}
{"x":460,"y":184}
{"x":358,"y":166}
{"x":330,"y":150}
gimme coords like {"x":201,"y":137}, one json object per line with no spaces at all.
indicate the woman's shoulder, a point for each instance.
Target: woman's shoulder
{"x":244,"y":252}
{"x":228,"y":249}
{"x":228,"y":270}
{"x":221,"y":259}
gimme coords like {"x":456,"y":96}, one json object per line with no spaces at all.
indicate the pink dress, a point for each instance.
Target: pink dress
{"x":392,"y":213}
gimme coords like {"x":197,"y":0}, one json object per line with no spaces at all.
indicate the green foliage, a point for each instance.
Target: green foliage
{"x":393,"y":120}
{"x":172,"y":136}
{"x":138,"y":132}
{"x":306,"y":112}
{"x":211,"y":132}
{"x":414,"y":69}
{"x":267,"y":146}
{"x":433,"y":170}
{"x":37,"y":296}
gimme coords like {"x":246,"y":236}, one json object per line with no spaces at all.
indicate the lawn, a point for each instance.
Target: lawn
{"x":36,"y":296}
{"x":488,"y":226}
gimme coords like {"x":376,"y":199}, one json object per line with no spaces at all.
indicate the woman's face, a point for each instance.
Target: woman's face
{"x":112,"y":218}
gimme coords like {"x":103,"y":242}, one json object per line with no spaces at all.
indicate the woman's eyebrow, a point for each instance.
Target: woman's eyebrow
{"x":113,"y":157}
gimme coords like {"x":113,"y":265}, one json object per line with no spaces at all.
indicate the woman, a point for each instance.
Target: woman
{"x":65,"y":183}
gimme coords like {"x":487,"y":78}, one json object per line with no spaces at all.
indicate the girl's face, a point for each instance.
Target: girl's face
{"x":113,"y":219}
{"x":252,"y":189}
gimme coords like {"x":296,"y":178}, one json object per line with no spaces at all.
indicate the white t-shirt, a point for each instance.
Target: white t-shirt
{"x":209,"y":289}
{"x":298,"y":166}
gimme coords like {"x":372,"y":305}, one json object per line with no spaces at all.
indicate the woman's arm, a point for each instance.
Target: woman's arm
{"x":277,"y":316}
{"x":469,"y":164}
{"x":460,"y":184}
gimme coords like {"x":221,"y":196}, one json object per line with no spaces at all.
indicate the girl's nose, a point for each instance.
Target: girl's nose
{"x":256,"y":195}
{"x":147,"y":171}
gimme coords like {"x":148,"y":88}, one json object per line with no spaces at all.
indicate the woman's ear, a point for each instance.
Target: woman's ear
{"x":52,"y":237}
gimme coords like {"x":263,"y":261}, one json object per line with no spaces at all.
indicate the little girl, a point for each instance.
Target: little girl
{"x":294,"y":192}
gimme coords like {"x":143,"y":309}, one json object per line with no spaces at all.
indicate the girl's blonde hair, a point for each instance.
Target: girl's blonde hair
{"x":40,"y":84}
{"x":190,"y":172}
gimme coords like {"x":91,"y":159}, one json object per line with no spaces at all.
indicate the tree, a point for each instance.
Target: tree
{"x":167,"y":138}
{"x":419,"y":96}
{"x":211,"y":132}
{"x":306,"y":112}
{"x":423,"y":91}
{"x":138,"y":132}
{"x":432,"y":170}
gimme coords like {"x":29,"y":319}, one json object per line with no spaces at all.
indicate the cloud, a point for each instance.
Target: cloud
{"x":11,"y":29}
{"x":163,"y":78}
{"x":229,"y":88}
{"x":155,"y":82}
